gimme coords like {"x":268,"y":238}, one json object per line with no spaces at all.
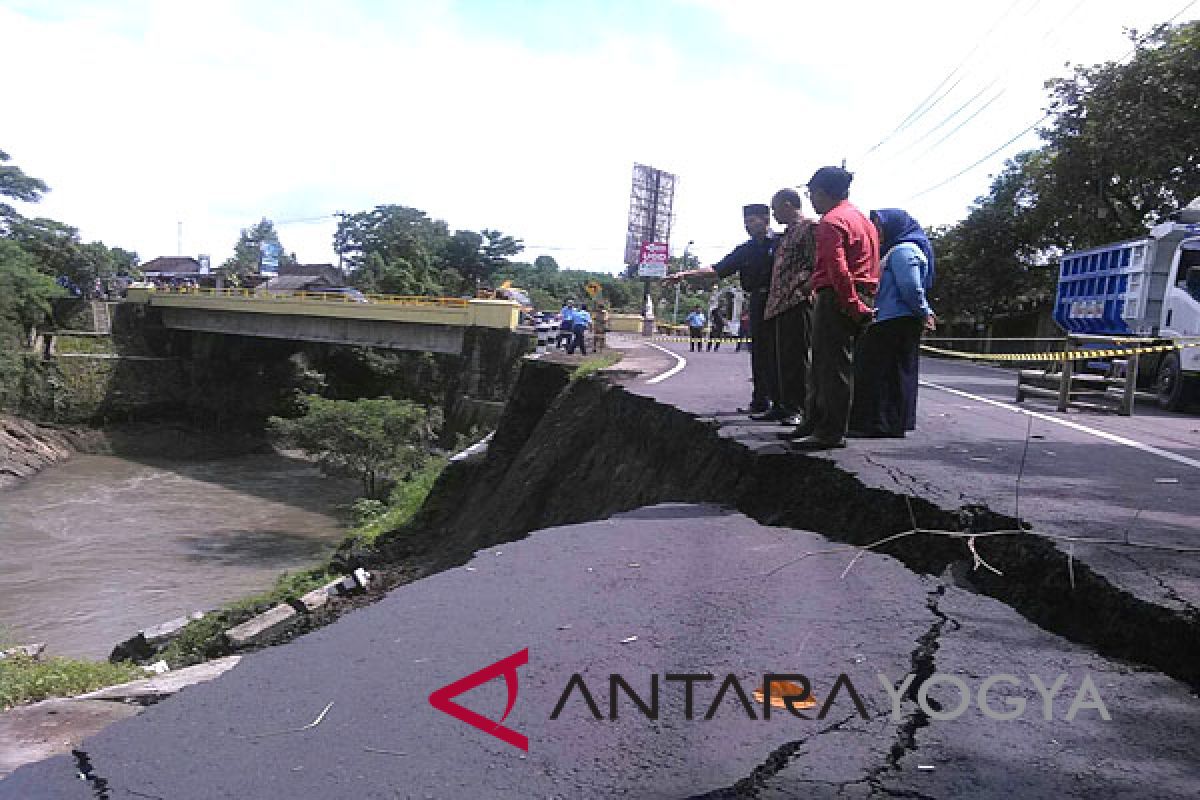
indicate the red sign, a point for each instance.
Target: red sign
{"x":652,"y":262}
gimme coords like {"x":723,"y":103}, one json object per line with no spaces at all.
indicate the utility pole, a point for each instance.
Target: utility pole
{"x":675,"y":313}
{"x":179,"y":238}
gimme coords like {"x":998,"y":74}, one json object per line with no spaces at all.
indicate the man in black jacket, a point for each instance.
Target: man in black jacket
{"x":752,"y":260}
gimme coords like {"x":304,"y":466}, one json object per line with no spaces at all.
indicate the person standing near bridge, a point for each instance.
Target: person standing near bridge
{"x":695,"y":325}
{"x":886,"y":364}
{"x":845,"y":279}
{"x":581,"y":320}
{"x":566,"y":328}
{"x":716,"y":328}
{"x":752,"y":260}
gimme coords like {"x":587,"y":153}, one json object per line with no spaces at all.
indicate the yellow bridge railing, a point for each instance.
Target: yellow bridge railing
{"x":265,"y":295}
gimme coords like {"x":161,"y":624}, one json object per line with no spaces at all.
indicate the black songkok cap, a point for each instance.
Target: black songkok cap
{"x":756,"y":209}
{"x":834,"y":181}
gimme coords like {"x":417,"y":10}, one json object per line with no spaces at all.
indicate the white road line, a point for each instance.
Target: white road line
{"x":682,"y":362}
{"x":1111,"y":437}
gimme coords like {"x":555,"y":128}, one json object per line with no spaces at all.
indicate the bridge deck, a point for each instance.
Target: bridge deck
{"x":455,"y":311}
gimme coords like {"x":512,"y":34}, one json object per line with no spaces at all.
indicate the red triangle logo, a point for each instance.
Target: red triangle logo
{"x":443,"y":698}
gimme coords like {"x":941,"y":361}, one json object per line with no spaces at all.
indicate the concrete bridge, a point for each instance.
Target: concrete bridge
{"x":428,"y":324}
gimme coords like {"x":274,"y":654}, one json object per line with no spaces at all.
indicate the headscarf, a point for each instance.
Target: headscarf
{"x":899,"y":227}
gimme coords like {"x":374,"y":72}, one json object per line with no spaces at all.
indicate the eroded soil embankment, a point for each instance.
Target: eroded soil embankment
{"x":574,"y":452}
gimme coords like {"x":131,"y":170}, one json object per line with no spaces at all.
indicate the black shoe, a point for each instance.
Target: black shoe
{"x":856,"y":433}
{"x":773,"y":415}
{"x":792,"y":421}
{"x":800,"y":432}
{"x":755,"y":408}
{"x":817,"y":443}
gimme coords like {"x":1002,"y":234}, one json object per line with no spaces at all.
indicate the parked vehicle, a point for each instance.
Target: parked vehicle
{"x":1147,"y":289}
{"x":348,"y":292}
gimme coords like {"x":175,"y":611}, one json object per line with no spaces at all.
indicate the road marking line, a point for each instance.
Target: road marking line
{"x":682,"y":362}
{"x":1111,"y":437}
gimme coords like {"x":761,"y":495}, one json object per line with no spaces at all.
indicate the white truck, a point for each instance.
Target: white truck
{"x":1146,"y":289}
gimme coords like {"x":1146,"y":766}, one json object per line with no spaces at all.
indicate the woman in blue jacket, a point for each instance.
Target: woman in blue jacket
{"x":886,"y":364}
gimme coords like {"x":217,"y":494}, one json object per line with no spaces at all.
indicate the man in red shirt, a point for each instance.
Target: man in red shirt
{"x":845,"y":279}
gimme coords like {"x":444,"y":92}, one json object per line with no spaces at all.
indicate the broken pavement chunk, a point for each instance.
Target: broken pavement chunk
{"x":262,"y":626}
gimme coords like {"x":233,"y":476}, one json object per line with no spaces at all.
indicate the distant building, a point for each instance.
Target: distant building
{"x":327,"y":271}
{"x":299,"y":283}
{"x":172,"y":267}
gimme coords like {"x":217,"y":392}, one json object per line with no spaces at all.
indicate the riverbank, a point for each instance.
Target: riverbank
{"x":27,"y":447}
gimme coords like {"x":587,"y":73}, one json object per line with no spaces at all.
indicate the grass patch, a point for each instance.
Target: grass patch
{"x":403,"y":503}
{"x":593,"y":364}
{"x":25,"y":680}
{"x":201,"y":639}
{"x":83,"y":344}
{"x":287,"y":586}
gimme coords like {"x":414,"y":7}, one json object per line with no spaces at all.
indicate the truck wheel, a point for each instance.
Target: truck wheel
{"x":1170,"y":385}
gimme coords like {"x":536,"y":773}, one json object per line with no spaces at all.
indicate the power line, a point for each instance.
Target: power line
{"x":946,"y":120}
{"x":922,"y":108}
{"x":972,"y":166}
{"x":1048,"y":114}
{"x":994,"y":98}
{"x":951,"y":116}
{"x":961,"y":125}
{"x":302,"y":220}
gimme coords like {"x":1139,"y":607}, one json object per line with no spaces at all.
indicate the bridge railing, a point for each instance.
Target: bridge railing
{"x":460,"y":311}
{"x":265,"y":295}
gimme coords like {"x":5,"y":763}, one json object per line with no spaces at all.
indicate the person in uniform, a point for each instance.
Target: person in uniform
{"x":752,"y":260}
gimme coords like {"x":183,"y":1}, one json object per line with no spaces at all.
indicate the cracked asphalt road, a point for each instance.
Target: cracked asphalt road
{"x":697,"y":586}
{"x":969,"y":452}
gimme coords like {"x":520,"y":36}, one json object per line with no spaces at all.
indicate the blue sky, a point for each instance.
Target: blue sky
{"x":522,"y":116}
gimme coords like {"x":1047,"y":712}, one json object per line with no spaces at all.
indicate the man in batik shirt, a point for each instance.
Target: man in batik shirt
{"x":788,"y":311}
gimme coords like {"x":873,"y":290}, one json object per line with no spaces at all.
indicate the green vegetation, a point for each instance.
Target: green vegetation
{"x":593,"y":364}
{"x":83,"y":344}
{"x":1120,"y":154}
{"x":248,"y":251}
{"x":201,"y":639}
{"x":288,"y":586}
{"x":25,"y":680}
{"x":403,"y":503}
{"x":34,"y":255}
{"x":377,"y":440}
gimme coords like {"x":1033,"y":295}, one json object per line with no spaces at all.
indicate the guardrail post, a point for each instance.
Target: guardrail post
{"x":1131,"y":377}
{"x":1064,"y":386}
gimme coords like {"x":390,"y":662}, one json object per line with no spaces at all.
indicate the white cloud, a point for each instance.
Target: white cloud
{"x":217,"y":114}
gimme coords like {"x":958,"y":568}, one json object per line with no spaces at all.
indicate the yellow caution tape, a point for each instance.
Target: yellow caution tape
{"x":1061,"y":355}
{"x":1057,"y":355}
{"x":667,"y":338}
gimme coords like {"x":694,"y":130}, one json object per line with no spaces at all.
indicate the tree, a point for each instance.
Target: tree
{"x":477,"y":256}
{"x":60,"y":252}
{"x":392,"y":232}
{"x":16,"y":184}
{"x":545,"y":264}
{"x":1123,"y":151}
{"x":374,"y":440}
{"x":247,"y":253}
{"x":25,"y":295}
{"x":25,"y":292}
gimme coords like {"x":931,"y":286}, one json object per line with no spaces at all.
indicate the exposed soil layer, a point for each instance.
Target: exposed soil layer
{"x":574,"y":452}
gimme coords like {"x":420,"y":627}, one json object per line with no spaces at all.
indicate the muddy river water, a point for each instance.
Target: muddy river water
{"x":99,"y":547}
